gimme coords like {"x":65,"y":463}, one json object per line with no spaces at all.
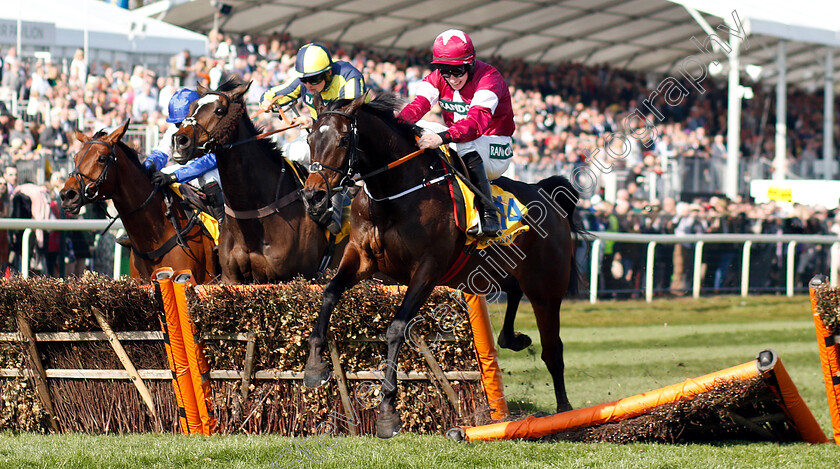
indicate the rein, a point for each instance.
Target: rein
{"x":94,"y":184}
{"x":286,"y":121}
{"x":178,"y":239}
{"x":352,"y":157}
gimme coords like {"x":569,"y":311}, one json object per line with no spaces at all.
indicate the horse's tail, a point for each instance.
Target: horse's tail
{"x":564,"y":193}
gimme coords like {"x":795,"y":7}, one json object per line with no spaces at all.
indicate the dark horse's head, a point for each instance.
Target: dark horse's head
{"x":212,"y":121}
{"x":338,"y":149}
{"x":96,"y":175}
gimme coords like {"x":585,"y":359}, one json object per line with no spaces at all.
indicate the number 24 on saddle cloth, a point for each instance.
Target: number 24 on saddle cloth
{"x":466,"y":215}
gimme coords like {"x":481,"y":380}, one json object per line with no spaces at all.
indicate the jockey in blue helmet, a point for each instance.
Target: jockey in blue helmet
{"x":200,"y":172}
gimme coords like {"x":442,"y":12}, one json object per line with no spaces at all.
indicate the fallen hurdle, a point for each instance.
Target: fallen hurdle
{"x":782,"y":416}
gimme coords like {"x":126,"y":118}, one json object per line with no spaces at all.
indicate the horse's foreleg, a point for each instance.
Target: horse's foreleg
{"x":317,"y":371}
{"x":508,"y":338}
{"x":388,"y":422}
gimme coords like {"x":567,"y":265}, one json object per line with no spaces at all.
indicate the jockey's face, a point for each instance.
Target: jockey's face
{"x":317,"y":88}
{"x":315,"y":84}
{"x":457,"y":82}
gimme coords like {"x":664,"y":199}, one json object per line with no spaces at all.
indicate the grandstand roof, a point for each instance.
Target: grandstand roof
{"x":646,"y":35}
{"x":109,"y":27}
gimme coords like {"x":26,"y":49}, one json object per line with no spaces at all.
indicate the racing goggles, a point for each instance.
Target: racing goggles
{"x":314,"y":79}
{"x":453,"y":70}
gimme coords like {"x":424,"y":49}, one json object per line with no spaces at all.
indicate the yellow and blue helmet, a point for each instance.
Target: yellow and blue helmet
{"x":313,"y":59}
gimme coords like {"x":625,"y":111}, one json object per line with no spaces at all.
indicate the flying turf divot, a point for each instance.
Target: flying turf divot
{"x":767,"y":367}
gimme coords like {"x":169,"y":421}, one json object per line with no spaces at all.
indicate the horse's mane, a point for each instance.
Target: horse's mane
{"x":383,"y":107}
{"x":133,"y":155}
{"x":265,"y":144}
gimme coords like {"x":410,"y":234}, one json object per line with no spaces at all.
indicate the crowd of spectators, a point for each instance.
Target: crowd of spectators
{"x":564,"y":114}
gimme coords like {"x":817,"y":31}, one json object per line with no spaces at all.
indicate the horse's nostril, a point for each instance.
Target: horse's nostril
{"x":68,"y":195}
{"x":182,"y":140}
{"x":315,"y":197}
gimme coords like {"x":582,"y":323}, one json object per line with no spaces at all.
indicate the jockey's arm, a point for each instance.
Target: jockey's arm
{"x":160,"y":155}
{"x":196,"y":168}
{"x":352,"y":89}
{"x":473,"y":126}
{"x":156,"y":158}
{"x":290,"y":90}
{"x":427,"y":97}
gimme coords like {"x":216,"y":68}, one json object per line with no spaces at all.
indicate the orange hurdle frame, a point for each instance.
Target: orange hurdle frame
{"x":190,"y":370}
{"x":827,"y":343}
{"x":767,"y":364}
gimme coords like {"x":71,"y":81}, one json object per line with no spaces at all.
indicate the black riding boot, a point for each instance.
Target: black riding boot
{"x":337,"y":203}
{"x":124,"y":241}
{"x":489,"y":222}
{"x":215,"y":200}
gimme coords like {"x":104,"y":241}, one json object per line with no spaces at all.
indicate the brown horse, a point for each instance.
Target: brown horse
{"x":403,"y":225}
{"x":162,"y":233}
{"x":266,"y":235}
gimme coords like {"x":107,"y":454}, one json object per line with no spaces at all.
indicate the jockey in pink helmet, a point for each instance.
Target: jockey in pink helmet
{"x":477,"y":110}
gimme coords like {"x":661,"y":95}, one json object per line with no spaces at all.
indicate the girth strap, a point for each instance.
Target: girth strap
{"x":168,"y":245}
{"x":264,"y":211}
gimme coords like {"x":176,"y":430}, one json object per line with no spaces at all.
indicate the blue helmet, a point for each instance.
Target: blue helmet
{"x":179,"y":105}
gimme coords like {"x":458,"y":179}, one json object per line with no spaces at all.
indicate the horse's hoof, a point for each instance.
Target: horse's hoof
{"x":388,"y":426}
{"x":456,"y":434}
{"x":316,"y":376}
{"x":564,"y":408}
{"x":518,"y":342}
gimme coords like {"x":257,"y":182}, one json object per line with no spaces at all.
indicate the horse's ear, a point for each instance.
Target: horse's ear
{"x":356,"y":104}
{"x":240,"y":91}
{"x":202,"y":90}
{"x":81,"y":137}
{"x":318,"y":103}
{"x":117,"y":134}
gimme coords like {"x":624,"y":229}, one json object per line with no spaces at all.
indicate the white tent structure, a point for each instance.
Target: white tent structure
{"x":784,"y":41}
{"x":107,"y":33}
{"x":805,"y":23}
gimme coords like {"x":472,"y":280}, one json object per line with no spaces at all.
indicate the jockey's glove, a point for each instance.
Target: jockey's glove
{"x":159,"y":178}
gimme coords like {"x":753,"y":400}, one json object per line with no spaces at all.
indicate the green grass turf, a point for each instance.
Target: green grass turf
{"x":613,"y":350}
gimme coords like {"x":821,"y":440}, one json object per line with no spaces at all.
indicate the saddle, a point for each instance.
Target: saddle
{"x":467,"y":216}
{"x":193,"y":200}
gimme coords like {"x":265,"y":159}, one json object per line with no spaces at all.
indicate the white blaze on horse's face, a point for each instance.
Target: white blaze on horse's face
{"x":208,"y":99}
{"x":324,"y":128}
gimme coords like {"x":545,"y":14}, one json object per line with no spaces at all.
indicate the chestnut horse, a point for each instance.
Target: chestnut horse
{"x":403,"y":225}
{"x":267,"y":235}
{"x":162,"y":233}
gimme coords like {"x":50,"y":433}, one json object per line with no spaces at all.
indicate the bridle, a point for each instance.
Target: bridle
{"x":90,"y":191}
{"x":212,"y":145}
{"x":352,"y":157}
{"x":351,"y":142}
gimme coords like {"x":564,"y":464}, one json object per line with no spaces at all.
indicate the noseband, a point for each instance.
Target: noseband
{"x":90,"y":190}
{"x":211,"y":145}
{"x":352,"y":143}
{"x":322,"y":208}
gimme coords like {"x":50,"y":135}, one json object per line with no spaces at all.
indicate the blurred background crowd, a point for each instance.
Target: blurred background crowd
{"x":564,"y":112}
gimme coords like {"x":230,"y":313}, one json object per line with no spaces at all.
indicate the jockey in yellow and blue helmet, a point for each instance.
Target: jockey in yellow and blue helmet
{"x":315,"y":72}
